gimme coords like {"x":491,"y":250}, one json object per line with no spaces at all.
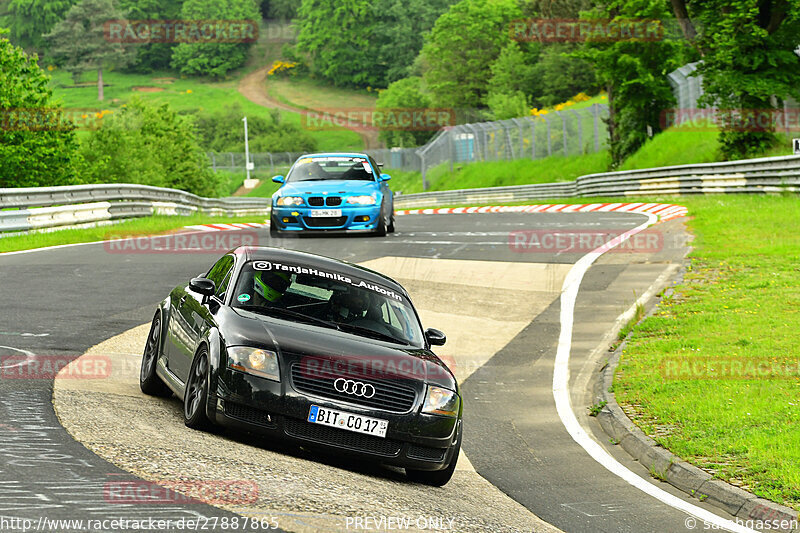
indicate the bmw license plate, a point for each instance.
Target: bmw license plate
{"x":348,"y":421}
{"x":314,"y":213}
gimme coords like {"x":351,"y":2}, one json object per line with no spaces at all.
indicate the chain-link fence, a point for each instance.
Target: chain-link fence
{"x":687,"y":86}
{"x":566,"y":132}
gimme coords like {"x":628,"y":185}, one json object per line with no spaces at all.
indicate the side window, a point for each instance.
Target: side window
{"x":375,"y":166}
{"x":220,"y":270}
{"x":223,"y":287}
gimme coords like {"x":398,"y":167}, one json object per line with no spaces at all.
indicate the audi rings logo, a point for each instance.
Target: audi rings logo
{"x":356,"y":388}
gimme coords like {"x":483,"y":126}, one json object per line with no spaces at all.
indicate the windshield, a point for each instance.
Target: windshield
{"x":331,"y":168}
{"x":327,"y":299}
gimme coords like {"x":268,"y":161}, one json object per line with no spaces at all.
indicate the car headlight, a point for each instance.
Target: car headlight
{"x":362,"y":200}
{"x":288,"y":201}
{"x":439,"y":401}
{"x":256,"y":361}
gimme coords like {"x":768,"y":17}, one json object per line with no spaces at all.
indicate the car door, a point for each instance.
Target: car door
{"x":188,"y":319}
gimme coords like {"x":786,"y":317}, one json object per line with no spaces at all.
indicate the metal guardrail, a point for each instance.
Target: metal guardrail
{"x":764,"y":175}
{"x":47,"y":207}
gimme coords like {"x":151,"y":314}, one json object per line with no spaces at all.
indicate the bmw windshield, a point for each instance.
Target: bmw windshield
{"x":331,"y":168}
{"x":327,"y":299}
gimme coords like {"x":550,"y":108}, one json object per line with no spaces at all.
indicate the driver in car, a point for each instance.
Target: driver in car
{"x":269,"y":287}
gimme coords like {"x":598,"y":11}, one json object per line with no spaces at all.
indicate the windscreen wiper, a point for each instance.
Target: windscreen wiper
{"x":366,"y":332}
{"x":279,"y":311}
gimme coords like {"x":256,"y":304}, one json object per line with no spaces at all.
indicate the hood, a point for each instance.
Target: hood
{"x":329,"y":187}
{"x":326,"y":349}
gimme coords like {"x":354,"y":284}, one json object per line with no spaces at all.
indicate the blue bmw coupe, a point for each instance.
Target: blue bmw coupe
{"x":333,"y":192}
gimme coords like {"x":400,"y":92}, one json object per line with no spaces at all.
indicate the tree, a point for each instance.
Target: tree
{"x":334,"y":35}
{"x":37,"y":146}
{"x":152,"y":56}
{"x":562,"y":75}
{"x":29,"y":20}
{"x":279,"y":9}
{"x":80,"y":44}
{"x":633,"y":72}
{"x":148,"y":144}
{"x":458,"y":53}
{"x":362,"y":43}
{"x":748,"y":63}
{"x":214,"y":58}
{"x":400,"y":29}
{"x":404,"y":94}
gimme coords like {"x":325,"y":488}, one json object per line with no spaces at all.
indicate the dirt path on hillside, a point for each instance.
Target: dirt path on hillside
{"x":254,"y":88}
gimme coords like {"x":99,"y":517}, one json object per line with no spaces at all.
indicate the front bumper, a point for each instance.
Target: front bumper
{"x":353,"y":218}
{"x":413,"y":440}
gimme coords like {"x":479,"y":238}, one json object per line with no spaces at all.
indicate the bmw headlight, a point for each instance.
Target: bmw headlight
{"x":256,"y":361}
{"x":440,"y":401}
{"x":289,"y":201}
{"x":362,"y":200}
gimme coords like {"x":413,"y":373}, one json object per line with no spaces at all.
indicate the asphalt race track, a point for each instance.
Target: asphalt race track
{"x":498,"y":306}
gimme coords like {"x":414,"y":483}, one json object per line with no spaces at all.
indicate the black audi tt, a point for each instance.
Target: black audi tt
{"x":309,"y":349}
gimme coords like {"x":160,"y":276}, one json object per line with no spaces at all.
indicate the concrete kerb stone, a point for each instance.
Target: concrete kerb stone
{"x":668,"y":467}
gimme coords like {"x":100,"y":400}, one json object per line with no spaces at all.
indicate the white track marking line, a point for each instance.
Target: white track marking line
{"x":569,"y":294}
{"x":28,"y":357}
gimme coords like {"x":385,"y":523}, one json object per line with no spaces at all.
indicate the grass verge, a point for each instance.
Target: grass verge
{"x":144,"y":226}
{"x":738,"y":305}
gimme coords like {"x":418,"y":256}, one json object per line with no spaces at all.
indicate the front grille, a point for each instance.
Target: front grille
{"x":390,"y":394}
{"x":341,"y":438}
{"x":248,"y":414}
{"x":315,"y":201}
{"x":333,"y":201}
{"x":425,"y":453}
{"x":325,"y":222}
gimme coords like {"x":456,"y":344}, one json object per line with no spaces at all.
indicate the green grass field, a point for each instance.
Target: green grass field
{"x":305,"y":93}
{"x":739,"y":302}
{"x":182,"y":94}
{"x":143,"y":226}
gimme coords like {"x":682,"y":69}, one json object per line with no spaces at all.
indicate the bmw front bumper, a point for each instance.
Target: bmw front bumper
{"x":353,"y":218}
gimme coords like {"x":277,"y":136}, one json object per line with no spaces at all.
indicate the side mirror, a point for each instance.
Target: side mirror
{"x":435,"y":337}
{"x":385,"y":177}
{"x":203,"y":286}
{"x":279,"y":179}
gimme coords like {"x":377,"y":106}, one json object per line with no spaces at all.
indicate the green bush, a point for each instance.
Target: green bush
{"x":151,"y":145}
{"x":224,"y":132}
{"x":32,"y":153}
{"x":404,"y":94}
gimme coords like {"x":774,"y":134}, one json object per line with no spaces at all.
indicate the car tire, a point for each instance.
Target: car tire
{"x":436,"y":478}
{"x":149,"y":382}
{"x":273,"y":229}
{"x":196,"y":395}
{"x":380,"y":231}
{"x":390,"y":228}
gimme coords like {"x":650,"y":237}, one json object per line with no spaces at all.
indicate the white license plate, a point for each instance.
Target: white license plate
{"x":314,"y":213}
{"x":348,"y":421}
